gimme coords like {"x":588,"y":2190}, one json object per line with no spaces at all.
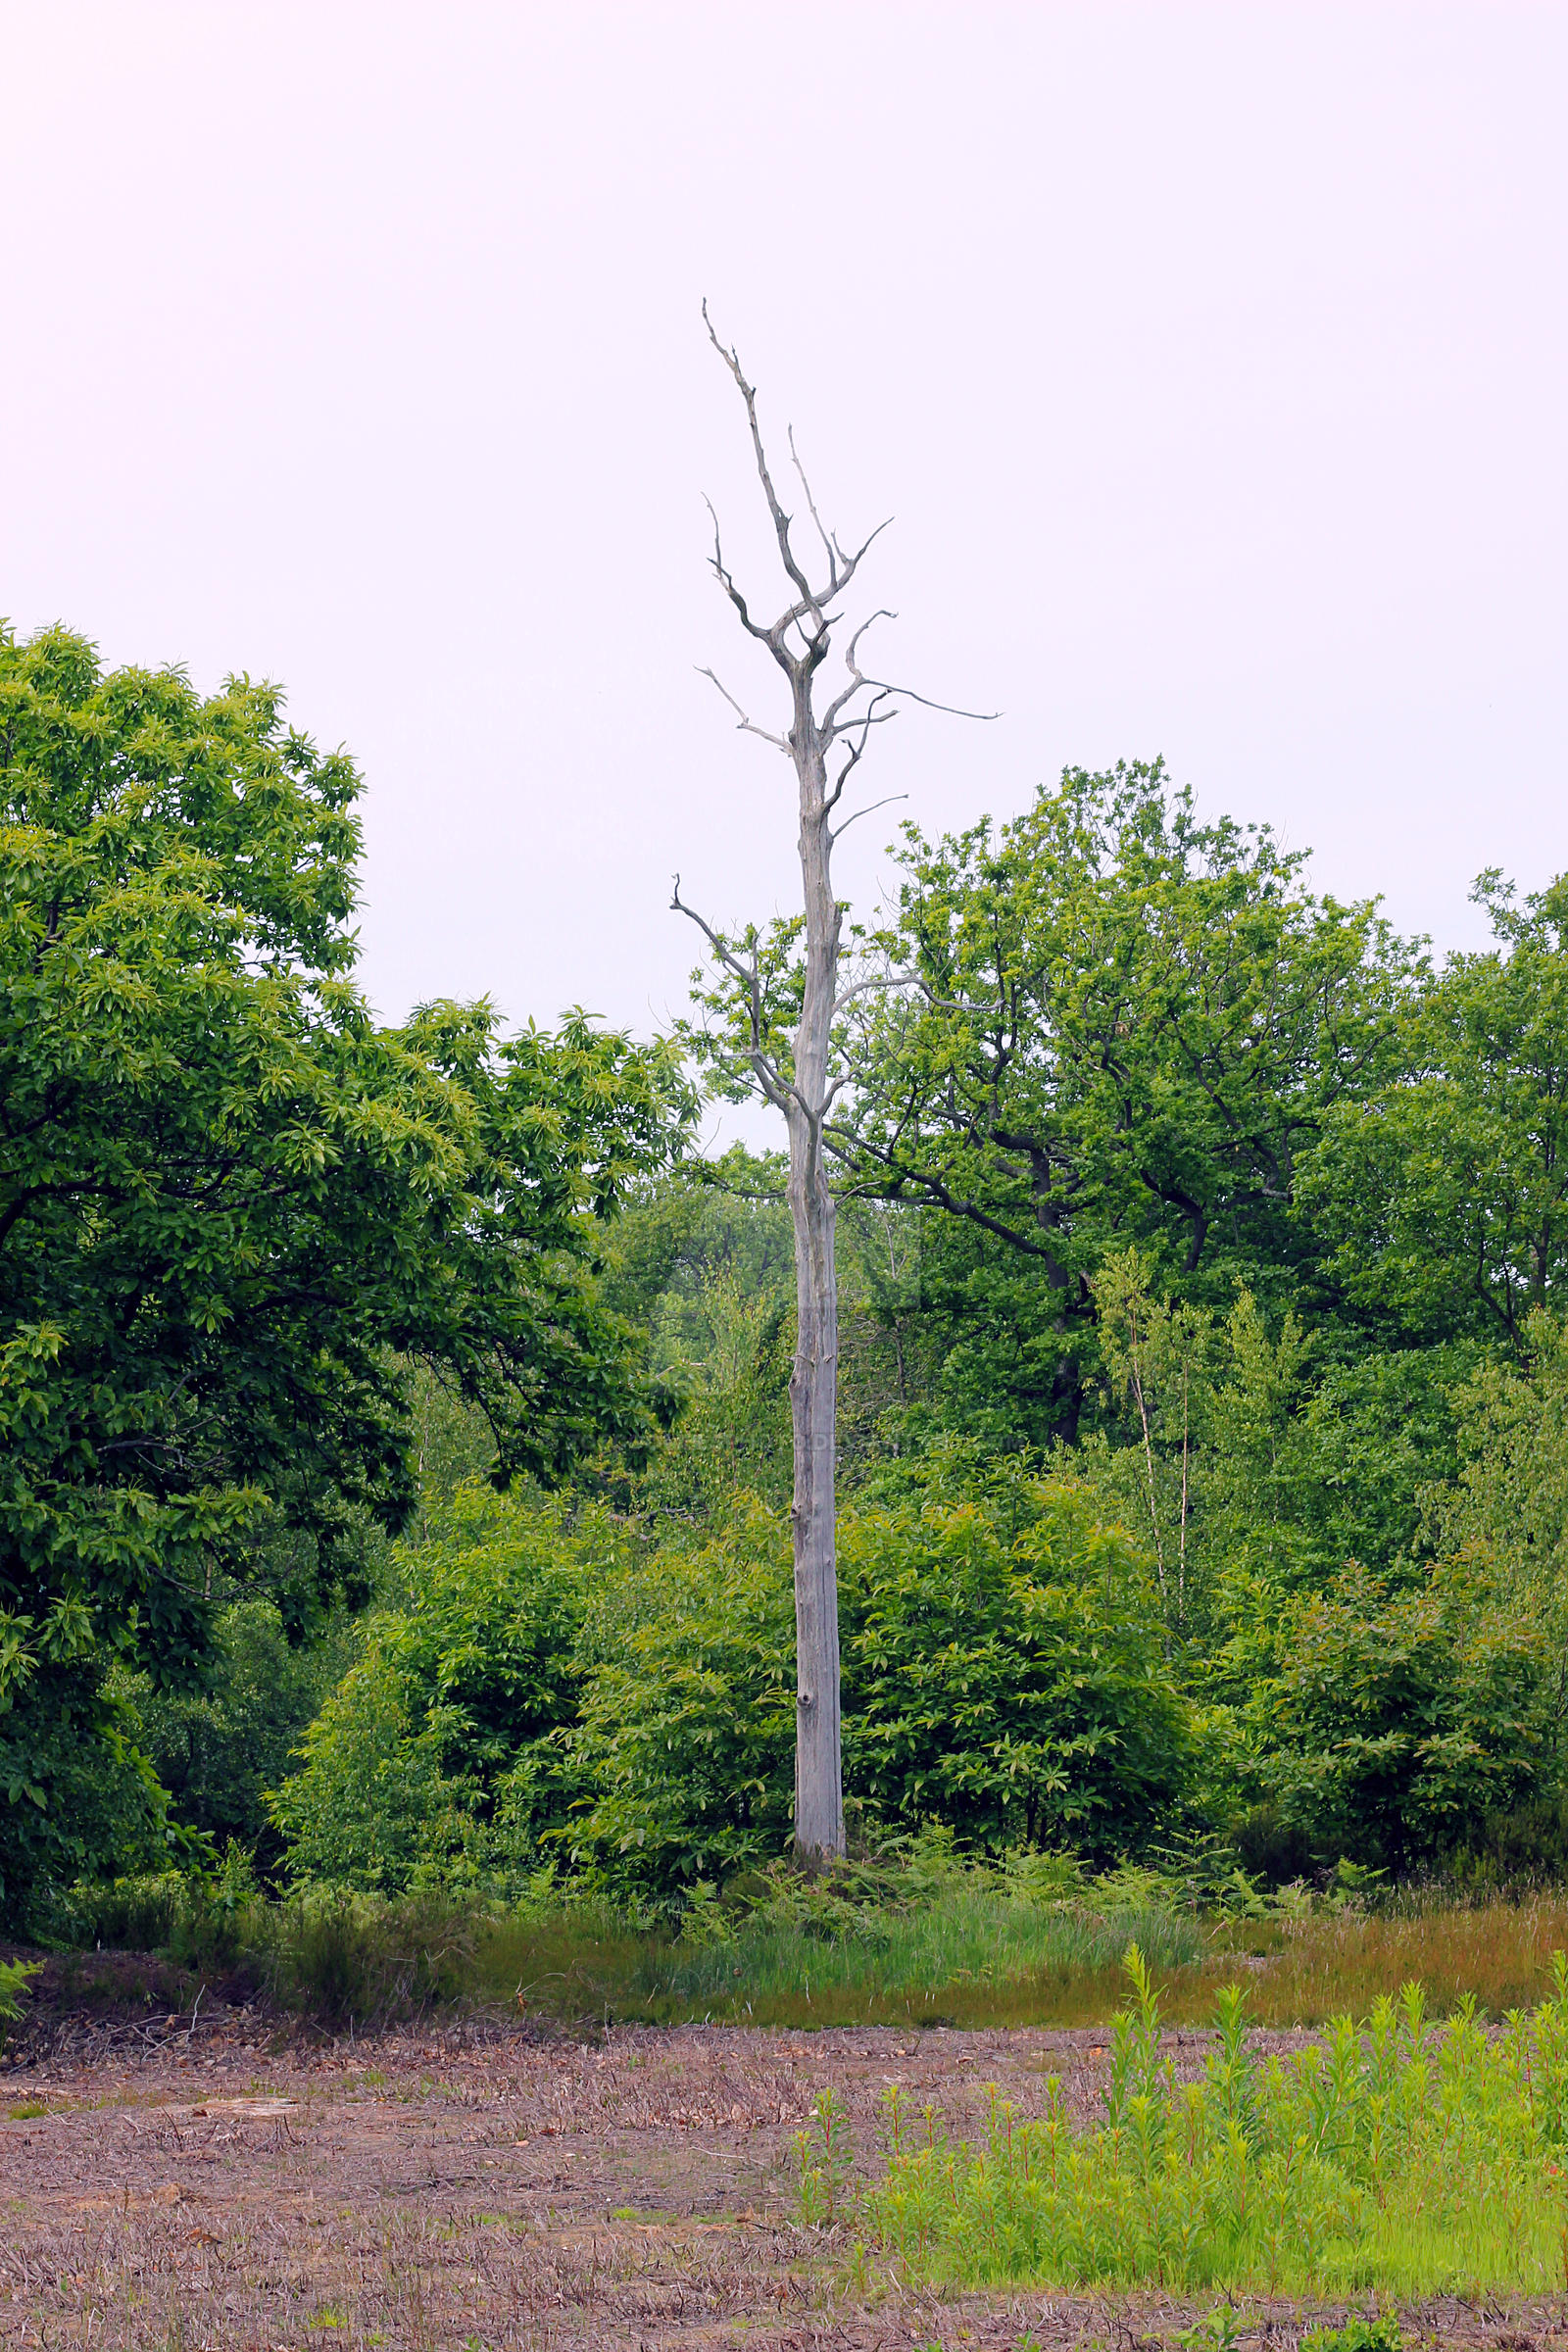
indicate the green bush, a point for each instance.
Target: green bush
{"x":578,"y":1690}
{"x":439,"y":1759}
{"x":219,"y":1748}
{"x":1003,"y":1673}
{"x":14,"y":1976}
{"x":77,"y":1797}
{"x":1407,"y":1718}
{"x":687,"y":1720}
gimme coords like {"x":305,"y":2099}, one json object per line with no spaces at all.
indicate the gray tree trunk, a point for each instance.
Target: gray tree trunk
{"x":801,"y":1082}
{"x":813,"y":1380}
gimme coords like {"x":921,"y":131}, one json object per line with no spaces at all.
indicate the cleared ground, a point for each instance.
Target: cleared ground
{"x":173,"y":2183}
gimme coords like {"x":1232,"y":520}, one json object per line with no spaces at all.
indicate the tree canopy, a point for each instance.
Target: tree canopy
{"x":232,"y":1207}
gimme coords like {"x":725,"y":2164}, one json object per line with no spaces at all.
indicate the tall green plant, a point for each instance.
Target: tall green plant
{"x":231,"y":1205}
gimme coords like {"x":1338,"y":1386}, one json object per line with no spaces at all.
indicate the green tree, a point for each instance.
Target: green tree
{"x":1121,"y":1027}
{"x":231,"y":1209}
{"x":1445,"y":1190}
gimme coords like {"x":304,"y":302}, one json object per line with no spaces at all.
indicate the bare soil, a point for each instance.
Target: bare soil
{"x":214,"y":2180}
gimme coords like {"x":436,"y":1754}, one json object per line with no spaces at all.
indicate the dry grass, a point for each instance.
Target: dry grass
{"x":1307,"y":1972}
{"x":968,"y":1960}
{"x":1297,"y":1973}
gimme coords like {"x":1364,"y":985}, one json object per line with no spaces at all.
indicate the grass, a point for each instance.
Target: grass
{"x":1394,"y":2157}
{"x":974,"y":1956}
{"x":958,"y":1947}
{"x":970,"y":1957}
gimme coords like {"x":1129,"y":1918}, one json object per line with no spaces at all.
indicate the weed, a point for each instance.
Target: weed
{"x":927,"y":1939}
{"x":1395,"y":2156}
{"x":824,"y":2155}
{"x":13,"y":1977}
{"x":1356,"y":2335}
{"x":1218,"y":2330}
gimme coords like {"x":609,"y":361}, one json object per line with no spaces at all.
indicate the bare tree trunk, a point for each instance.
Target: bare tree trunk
{"x":814,"y":1380}
{"x":801,"y":1082}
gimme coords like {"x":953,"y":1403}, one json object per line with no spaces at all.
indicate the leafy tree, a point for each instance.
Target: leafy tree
{"x":1126,"y":1028}
{"x":1508,"y":1501}
{"x":231,"y":1209}
{"x":1446,"y":1188}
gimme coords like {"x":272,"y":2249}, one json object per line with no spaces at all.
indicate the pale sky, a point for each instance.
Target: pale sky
{"x":1211,"y":359}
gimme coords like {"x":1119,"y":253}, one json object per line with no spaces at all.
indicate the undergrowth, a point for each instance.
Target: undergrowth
{"x":926,"y":1937}
{"x":1394,"y":2157}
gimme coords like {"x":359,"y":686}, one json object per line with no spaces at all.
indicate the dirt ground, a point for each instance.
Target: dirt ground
{"x":209,"y":2183}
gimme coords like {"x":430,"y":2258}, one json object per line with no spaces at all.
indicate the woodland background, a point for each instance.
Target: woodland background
{"x":397,"y":1442}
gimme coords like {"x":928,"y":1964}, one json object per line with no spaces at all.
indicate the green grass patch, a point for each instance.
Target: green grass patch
{"x":1394,"y":2157}
{"x":968,"y":1958}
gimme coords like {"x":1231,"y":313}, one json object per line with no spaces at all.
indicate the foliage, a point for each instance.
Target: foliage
{"x":76,"y":1788}
{"x":1203,"y":1382}
{"x":1003,"y":1673}
{"x":1445,"y":1189}
{"x":688,"y":1722}
{"x":217,"y":1747}
{"x":1389,"y":2157}
{"x":620,"y":1697}
{"x":1508,"y":1507}
{"x":227,"y":1199}
{"x":1356,"y":2335}
{"x":1126,"y":1027}
{"x":439,"y":1759}
{"x":1404,"y":1717}
{"x":1004,"y":1669}
{"x":14,"y":1976}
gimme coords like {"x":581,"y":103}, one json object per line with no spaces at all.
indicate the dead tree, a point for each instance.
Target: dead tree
{"x":797,"y":1073}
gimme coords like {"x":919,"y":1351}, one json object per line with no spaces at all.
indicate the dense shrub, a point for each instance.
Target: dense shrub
{"x":77,"y":1797}
{"x":219,"y":1748}
{"x":624,"y":1706}
{"x":439,"y":1759}
{"x":1406,"y":1717}
{"x":1007,"y":1679}
{"x":688,"y":1732}
{"x":1003,"y":1673}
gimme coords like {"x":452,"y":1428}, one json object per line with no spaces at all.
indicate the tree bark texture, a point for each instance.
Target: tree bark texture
{"x":813,"y":1380}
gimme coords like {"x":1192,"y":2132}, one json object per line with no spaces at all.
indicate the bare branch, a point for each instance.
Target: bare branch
{"x":830,"y":716}
{"x":828,"y":547}
{"x":781,"y":520}
{"x":745,"y":727}
{"x":870,"y":808}
{"x":951,"y":709}
{"x":865,"y":988}
{"x":726,"y":582}
{"x":860,"y":727}
{"x":778,"y":1090}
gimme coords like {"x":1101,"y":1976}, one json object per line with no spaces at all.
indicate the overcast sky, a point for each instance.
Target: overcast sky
{"x":1209,"y":358}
